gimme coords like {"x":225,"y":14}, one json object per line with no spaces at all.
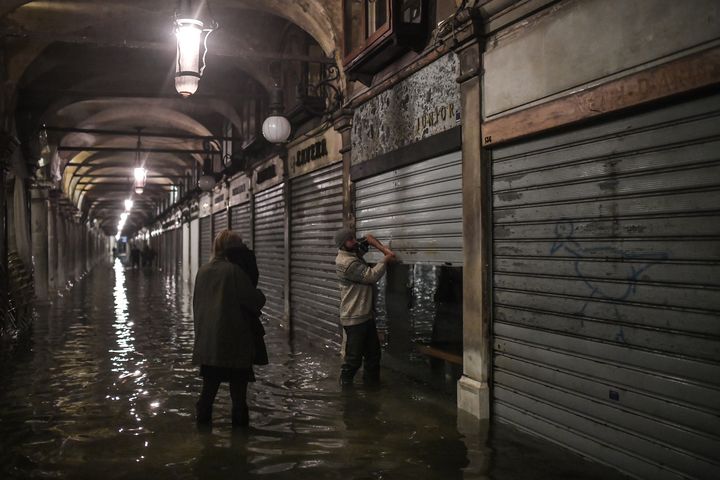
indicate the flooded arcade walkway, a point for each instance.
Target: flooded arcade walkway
{"x":105,"y":389}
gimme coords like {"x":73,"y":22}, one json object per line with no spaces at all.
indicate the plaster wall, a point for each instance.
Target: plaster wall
{"x":578,"y":43}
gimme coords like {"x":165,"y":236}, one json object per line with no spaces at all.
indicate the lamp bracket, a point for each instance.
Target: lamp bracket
{"x":323,"y":98}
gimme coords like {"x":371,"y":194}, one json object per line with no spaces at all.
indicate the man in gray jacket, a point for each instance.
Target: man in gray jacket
{"x":356,"y":304}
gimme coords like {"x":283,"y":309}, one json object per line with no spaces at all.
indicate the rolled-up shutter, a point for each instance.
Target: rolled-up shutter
{"x":240,"y":222}
{"x":417,"y":208}
{"x":220,"y":222}
{"x":269,"y":246}
{"x":205,"y":239}
{"x":606,"y":277}
{"x":316,"y":213}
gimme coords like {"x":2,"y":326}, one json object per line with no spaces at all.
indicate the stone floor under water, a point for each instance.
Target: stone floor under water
{"x":104,"y":388}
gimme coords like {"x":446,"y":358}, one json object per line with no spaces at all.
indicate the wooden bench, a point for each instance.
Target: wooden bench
{"x":434,"y":352}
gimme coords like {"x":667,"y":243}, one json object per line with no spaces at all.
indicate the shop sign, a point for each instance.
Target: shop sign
{"x":219,"y":198}
{"x":205,"y":205}
{"x":268,"y":174}
{"x":316,"y":152}
{"x":435,"y":116}
{"x":239,"y":190}
{"x":424,"y":104}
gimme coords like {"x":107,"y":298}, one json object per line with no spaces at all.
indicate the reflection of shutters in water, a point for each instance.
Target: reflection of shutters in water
{"x":178,"y":250}
{"x":270,"y":249}
{"x":606,"y":289}
{"x":316,"y":214}
{"x":417,"y":208}
{"x":205,"y":239}
{"x":240,"y":218}
{"x":220,"y":222}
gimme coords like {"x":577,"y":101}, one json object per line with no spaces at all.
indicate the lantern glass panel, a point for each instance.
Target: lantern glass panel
{"x":188,"y":35}
{"x":411,"y":11}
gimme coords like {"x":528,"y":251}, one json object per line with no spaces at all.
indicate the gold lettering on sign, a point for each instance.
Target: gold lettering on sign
{"x":439,"y":114}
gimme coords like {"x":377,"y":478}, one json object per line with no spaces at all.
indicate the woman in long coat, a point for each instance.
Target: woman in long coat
{"x":225,"y":304}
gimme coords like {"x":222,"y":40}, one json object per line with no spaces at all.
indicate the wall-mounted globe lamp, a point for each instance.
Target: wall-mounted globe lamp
{"x":191,"y":34}
{"x":207,"y":181}
{"x":276,"y":127}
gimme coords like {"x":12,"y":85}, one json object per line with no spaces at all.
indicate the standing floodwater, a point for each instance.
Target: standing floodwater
{"x":106,"y":390}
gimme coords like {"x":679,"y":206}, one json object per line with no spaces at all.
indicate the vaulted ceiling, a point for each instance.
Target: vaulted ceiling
{"x":94,"y":72}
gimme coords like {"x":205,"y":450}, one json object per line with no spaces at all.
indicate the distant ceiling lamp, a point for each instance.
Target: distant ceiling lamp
{"x":139,"y":172}
{"x":192,"y":36}
{"x":128,"y":204}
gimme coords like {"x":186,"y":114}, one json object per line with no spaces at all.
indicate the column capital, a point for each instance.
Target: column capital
{"x":342,"y":120}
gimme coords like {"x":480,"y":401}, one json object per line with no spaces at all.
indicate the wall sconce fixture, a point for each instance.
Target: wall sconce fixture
{"x":323,"y":98}
{"x":207,"y":180}
{"x":192,"y":36}
{"x":320,"y":99}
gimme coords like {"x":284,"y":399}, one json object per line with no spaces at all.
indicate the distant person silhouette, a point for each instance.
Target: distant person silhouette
{"x":135,"y":257}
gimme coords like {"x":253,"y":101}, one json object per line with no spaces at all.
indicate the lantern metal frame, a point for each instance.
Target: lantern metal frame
{"x":181,"y":19}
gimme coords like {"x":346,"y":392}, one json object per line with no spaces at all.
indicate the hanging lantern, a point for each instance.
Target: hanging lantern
{"x":139,"y":173}
{"x":206,"y":182}
{"x":140,"y":177}
{"x":276,"y":128}
{"x":192,"y":38}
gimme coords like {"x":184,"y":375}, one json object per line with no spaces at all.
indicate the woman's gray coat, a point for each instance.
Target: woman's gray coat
{"x":223,"y":330}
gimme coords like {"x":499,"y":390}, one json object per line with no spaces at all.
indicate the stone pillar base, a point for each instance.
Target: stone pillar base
{"x":473,"y":398}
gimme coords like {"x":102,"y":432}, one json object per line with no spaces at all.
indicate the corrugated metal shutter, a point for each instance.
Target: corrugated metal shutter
{"x":240,"y":222}
{"x":205,"y":240}
{"x":270,"y":249}
{"x":220,"y":222}
{"x":607,"y":289}
{"x":316,"y":213}
{"x":417,"y":208}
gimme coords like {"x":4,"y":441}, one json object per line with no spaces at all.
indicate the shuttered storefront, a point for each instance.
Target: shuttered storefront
{"x":220,"y":222}
{"x":205,"y":239}
{"x":241,"y":221}
{"x":315,"y":216}
{"x":417,"y":208}
{"x":269,"y":243}
{"x":606,"y":277}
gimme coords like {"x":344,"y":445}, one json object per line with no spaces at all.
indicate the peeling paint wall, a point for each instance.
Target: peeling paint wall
{"x":424,"y":104}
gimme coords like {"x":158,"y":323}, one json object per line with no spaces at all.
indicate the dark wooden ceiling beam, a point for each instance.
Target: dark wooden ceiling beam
{"x":68,"y":148}
{"x":134,"y":134}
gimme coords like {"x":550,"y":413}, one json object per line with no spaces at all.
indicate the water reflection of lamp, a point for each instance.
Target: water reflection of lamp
{"x":128,"y":204}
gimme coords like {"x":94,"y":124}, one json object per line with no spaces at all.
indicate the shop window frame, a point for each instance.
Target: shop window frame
{"x":392,"y":39}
